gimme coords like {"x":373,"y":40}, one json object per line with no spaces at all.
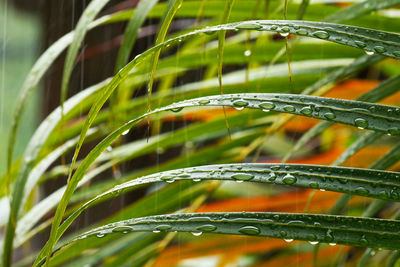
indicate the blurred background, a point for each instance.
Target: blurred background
{"x":20,"y":40}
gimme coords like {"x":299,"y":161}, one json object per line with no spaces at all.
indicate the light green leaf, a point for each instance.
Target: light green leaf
{"x":132,"y":29}
{"x":82,"y":27}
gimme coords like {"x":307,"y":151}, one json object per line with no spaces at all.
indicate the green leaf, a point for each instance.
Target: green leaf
{"x":383,"y":90}
{"x":333,"y":32}
{"x":30,"y":155}
{"x":341,"y":73}
{"x":340,"y":179}
{"x":302,"y":9}
{"x":34,"y":76}
{"x":136,"y":149}
{"x":82,"y":27}
{"x":173,"y":6}
{"x":220,"y":54}
{"x":131,"y":31}
{"x":378,"y":233}
{"x":363,"y":115}
{"x":360,"y":143}
{"x":360,"y":114}
{"x":383,"y":163}
{"x":184,"y":191}
{"x":361,"y":8}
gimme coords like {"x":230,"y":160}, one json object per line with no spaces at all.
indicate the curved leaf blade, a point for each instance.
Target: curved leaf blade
{"x":378,"y":233}
{"x":333,"y":32}
{"x":382,"y":91}
{"x":82,"y":27}
{"x":131,"y":32}
{"x":31,"y":152}
{"x":379,"y":120}
{"x":363,"y":115}
{"x":172,"y":8}
{"x":361,"y":8}
{"x":363,"y":182}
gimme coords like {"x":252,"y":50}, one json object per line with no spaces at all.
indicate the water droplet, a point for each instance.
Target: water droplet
{"x":204,"y":102}
{"x":163,"y":227}
{"x":314,"y":185}
{"x":283,"y":233}
{"x":100,"y":235}
{"x":296,"y":222}
{"x":285,"y":29}
{"x":373,"y":252}
{"x":126,"y":132}
{"x":363,"y":241}
{"x":383,"y":194}
{"x":361,"y":191}
{"x":267,"y":106}
{"x":240,"y":104}
{"x":196,"y":180}
{"x":289,"y":179}
{"x":380,"y":49}
{"x":321,"y":34}
{"x":360,"y":44}
{"x":168,"y":178}
{"x":313,"y":242}
{"x":370,"y":53}
{"x":289,"y":108}
{"x":306,"y":110}
{"x":274,"y":27}
{"x":329,"y":237}
{"x":332,"y":244}
{"x":284,"y":34}
{"x":207,"y":228}
{"x":176,"y":109}
{"x":272,"y":177}
{"x":210,"y":32}
{"x":361,"y":123}
{"x":394,"y":131}
{"x":275,"y":167}
{"x":302,"y":32}
{"x":197,"y":233}
{"x":394,"y":194}
{"x":248,"y":26}
{"x":288,"y":240}
{"x":109,"y":148}
{"x":329,"y":115}
{"x":156,"y":231}
{"x":249,"y":230}
{"x":247,"y":53}
{"x":243,"y":177}
{"x":122,"y":229}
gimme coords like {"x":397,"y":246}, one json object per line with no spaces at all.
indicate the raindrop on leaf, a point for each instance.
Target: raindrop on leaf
{"x":267,"y":106}
{"x":197,"y":233}
{"x":243,"y":177}
{"x":321,"y":34}
{"x":361,"y":123}
{"x":289,"y":108}
{"x":204,"y":102}
{"x":289,"y":179}
{"x":249,"y":230}
{"x":306,"y":110}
